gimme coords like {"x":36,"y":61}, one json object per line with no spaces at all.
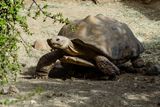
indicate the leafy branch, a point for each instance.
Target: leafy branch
{"x":10,"y":17}
{"x":56,"y":17}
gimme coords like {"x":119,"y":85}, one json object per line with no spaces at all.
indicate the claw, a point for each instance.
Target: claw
{"x":42,"y":77}
{"x":38,"y":76}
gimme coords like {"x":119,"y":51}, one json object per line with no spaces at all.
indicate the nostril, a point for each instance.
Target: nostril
{"x":57,"y":39}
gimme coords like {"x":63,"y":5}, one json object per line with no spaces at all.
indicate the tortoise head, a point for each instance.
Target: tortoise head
{"x":60,"y":42}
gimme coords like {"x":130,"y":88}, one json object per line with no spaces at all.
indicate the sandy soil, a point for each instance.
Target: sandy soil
{"x":129,"y":90}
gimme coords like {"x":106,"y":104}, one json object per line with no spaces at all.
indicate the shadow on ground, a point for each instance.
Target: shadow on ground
{"x":151,"y":11}
{"x":130,"y":90}
{"x":127,"y":91}
{"x":69,"y":72}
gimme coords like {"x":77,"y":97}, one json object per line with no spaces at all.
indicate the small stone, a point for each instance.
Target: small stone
{"x":9,"y":90}
{"x":41,"y":45}
{"x":135,"y":85}
{"x":4,"y":90}
{"x":124,"y":102}
{"x":33,"y":102}
{"x":23,"y":65}
{"x":148,"y":52}
{"x":13,"y":89}
{"x":50,"y":95}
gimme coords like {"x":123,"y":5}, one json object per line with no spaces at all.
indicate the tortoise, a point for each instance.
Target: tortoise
{"x":97,"y":41}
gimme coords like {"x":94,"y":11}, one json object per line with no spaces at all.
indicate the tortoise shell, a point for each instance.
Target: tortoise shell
{"x":110,"y":37}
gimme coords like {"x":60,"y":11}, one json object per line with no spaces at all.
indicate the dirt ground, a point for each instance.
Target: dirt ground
{"x":129,"y":90}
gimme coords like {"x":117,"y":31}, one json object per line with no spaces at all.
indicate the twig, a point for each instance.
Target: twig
{"x":54,"y":17}
{"x":25,"y":44}
{"x":30,"y":6}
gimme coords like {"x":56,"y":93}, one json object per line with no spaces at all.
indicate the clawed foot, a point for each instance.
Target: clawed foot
{"x":39,"y":76}
{"x":138,"y":62}
{"x":112,"y":70}
{"x":149,"y":69}
{"x":152,"y":69}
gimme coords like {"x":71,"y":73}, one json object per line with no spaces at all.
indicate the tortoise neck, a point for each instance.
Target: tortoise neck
{"x":72,"y":50}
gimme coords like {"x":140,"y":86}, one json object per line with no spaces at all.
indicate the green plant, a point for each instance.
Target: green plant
{"x":58,"y":17}
{"x":10,"y":18}
{"x":8,"y":101}
{"x":20,"y":98}
{"x":9,"y":36}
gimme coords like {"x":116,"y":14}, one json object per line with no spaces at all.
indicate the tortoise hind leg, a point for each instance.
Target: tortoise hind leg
{"x":137,"y":62}
{"x":107,"y":67}
{"x":138,"y":65}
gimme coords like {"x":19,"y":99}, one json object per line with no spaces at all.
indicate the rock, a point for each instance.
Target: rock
{"x":23,"y":64}
{"x":4,"y":91}
{"x":148,"y":52}
{"x":33,"y":102}
{"x":9,"y":90}
{"x":13,"y":89}
{"x":41,"y":45}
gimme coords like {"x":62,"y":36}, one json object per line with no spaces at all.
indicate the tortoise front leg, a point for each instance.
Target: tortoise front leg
{"x":46,"y":63}
{"x":107,"y":67}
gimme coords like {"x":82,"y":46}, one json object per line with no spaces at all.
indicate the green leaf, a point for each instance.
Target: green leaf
{"x":45,"y":6}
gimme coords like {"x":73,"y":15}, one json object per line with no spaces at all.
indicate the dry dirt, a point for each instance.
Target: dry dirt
{"x":129,"y":90}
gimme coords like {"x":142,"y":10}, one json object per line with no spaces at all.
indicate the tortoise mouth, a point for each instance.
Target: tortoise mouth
{"x":55,"y":45}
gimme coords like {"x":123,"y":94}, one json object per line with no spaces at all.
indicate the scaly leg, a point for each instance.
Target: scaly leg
{"x":107,"y":67}
{"x":46,"y":63}
{"x":137,"y":62}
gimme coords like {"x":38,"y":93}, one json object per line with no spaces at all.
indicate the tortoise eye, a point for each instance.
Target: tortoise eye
{"x":57,"y":39}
